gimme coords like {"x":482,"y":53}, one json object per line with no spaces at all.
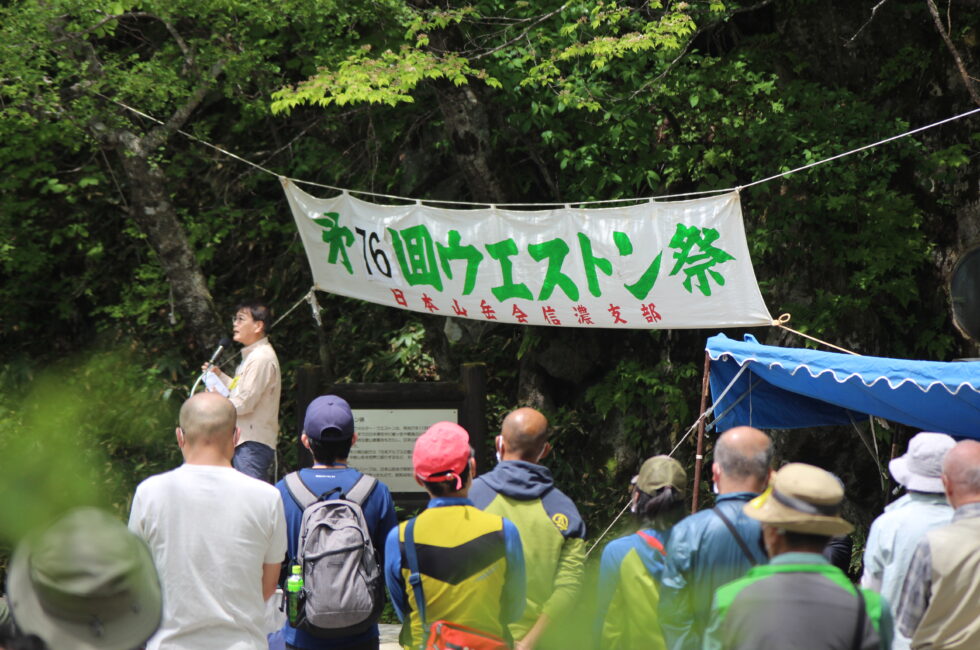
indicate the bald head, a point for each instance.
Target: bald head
{"x":744,"y":454}
{"x":207,"y":419}
{"x":525,"y":433}
{"x":961,"y":473}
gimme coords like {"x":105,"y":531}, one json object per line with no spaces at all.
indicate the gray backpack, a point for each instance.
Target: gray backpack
{"x":343,"y":592}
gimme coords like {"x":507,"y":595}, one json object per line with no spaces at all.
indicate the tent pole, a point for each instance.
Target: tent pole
{"x":699,"y":457}
{"x":898,"y":445}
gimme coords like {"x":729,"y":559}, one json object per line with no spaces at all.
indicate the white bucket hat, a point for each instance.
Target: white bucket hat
{"x":921,"y":467}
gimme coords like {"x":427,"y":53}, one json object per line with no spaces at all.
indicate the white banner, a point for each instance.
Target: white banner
{"x":657,"y":265}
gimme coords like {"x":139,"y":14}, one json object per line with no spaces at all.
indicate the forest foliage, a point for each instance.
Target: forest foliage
{"x":526,"y":101}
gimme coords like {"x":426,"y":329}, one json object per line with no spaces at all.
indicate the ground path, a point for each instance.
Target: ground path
{"x":389,"y":636}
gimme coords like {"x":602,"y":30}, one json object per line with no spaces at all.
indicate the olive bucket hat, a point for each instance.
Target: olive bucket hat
{"x":86,"y":582}
{"x":658,"y":472}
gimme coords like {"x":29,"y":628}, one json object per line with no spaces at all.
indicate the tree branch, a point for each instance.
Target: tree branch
{"x":108,"y":18}
{"x":690,"y":42}
{"x":540,"y":19}
{"x":160,"y":134}
{"x":874,"y":10}
{"x":188,"y":54}
{"x":68,"y":36}
{"x":967,"y":80}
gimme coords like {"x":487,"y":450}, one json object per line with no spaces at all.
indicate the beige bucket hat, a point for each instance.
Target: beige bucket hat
{"x":803,"y":499}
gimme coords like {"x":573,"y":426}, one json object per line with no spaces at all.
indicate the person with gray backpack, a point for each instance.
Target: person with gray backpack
{"x":334,"y":511}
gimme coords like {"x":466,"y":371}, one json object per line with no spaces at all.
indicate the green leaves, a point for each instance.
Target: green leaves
{"x":604,"y":34}
{"x":540,"y":50}
{"x":83,"y":433}
{"x":421,"y":22}
{"x":389,"y":78}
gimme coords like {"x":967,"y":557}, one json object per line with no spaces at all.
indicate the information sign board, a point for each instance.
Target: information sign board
{"x":385,"y":439}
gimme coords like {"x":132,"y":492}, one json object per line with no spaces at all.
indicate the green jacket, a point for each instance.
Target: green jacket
{"x":797,"y":600}
{"x":629,"y":592}
{"x":552,"y":534}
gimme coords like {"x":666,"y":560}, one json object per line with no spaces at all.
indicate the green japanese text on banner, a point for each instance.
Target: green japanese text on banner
{"x":657,"y":265}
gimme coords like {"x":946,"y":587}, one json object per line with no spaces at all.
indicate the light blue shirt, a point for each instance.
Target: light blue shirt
{"x":892,"y":542}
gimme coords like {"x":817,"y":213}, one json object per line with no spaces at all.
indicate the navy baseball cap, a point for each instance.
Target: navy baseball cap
{"x":328,"y":417}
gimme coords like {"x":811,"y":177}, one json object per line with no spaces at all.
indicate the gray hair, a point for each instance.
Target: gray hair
{"x":739,"y":465}
{"x":964,"y":475}
{"x":961,"y":466}
{"x":972,"y":478}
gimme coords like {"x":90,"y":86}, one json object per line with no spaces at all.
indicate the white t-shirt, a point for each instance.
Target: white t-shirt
{"x":210,"y":530}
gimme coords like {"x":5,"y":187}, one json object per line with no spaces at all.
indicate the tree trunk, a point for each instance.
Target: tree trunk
{"x":532,"y":383}
{"x":468,"y":131}
{"x":154,"y":213}
{"x":467,"y":127}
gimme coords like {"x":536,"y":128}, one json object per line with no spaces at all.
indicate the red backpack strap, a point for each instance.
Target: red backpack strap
{"x":652,"y":541}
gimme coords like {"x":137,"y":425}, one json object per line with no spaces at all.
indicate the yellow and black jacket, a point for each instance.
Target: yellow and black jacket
{"x":471,"y":565}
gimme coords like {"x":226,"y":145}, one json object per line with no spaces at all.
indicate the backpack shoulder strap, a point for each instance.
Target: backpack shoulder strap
{"x":414,"y":577}
{"x":738,"y":538}
{"x":362,"y":489}
{"x":858,"y":640}
{"x":302,"y":495}
{"x":652,"y":541}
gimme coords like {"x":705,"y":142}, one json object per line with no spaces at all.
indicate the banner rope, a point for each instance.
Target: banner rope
{"x":785,"y":318}
{"x":864,"y":148}
{"x":309,"y":296}
{"x":737,"y":188}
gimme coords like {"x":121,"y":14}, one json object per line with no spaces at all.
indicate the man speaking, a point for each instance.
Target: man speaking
{"x":254,"y":390}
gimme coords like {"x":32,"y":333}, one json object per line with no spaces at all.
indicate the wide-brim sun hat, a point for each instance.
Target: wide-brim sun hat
{"x":801,"y":498}
{"x":85,"y":583}
{"x":920,"y":468}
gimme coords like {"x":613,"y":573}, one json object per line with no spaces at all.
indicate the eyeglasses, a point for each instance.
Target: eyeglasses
{"x":240,"y":318}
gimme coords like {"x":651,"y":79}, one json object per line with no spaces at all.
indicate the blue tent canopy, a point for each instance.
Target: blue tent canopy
{"x":789,"y":388}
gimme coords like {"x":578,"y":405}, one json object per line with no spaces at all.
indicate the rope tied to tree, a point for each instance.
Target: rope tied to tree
{"x":785,"y":318}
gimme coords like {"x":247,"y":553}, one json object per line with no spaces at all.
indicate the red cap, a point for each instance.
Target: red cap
{"x":441,"y":453}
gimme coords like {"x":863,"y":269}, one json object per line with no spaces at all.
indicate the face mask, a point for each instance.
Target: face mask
{"x":497,"y":453}
{"x":714,"y":488}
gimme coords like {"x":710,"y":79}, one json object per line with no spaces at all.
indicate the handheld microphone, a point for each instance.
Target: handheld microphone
{"x":222,"y":344}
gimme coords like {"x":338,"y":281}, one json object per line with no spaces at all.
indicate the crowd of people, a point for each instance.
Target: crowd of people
{"x":496,"y":560}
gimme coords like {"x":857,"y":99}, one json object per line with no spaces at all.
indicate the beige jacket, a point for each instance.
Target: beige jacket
{"x":951,"y":620}
{"x":255,"y":393}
